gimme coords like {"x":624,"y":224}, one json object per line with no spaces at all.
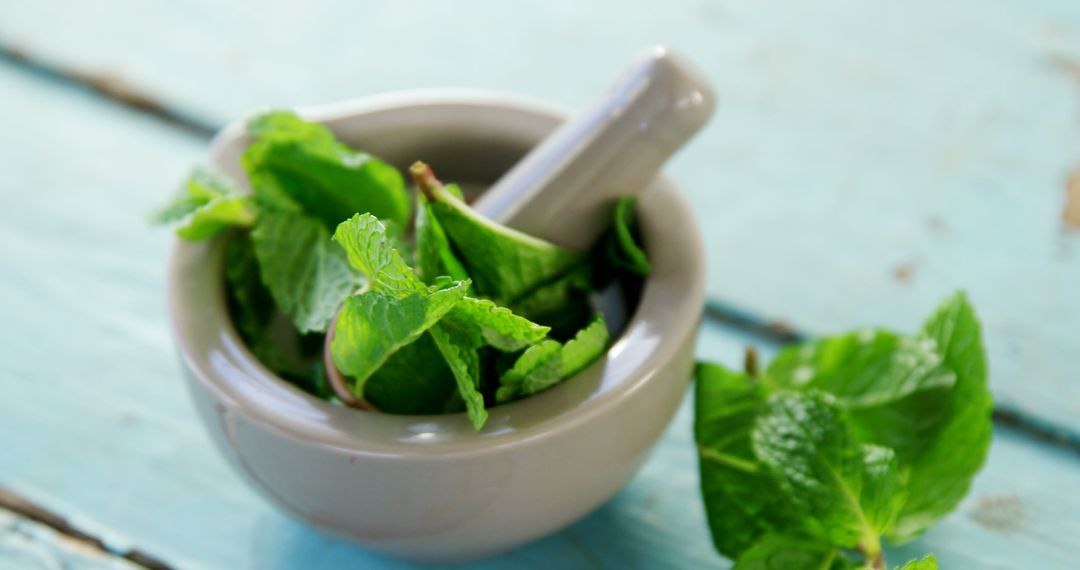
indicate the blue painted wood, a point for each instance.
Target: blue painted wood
{"x":867,"y":158}
{"x":95,"y":423}
{"x":26,"y":545}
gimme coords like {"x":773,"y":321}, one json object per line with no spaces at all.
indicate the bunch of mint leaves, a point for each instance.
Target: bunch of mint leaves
{"x":459,"y":315}
{"x":843,"y":441}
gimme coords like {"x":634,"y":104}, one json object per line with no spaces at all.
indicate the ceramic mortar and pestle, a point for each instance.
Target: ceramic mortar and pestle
{"x":431,"y":488}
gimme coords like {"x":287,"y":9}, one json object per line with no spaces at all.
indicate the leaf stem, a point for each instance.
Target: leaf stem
{"x":827,"y":562}
{"x":728,"y":460}
{"x":875,"y":556}
{"x":750,"y":362}
{"x":870,"y":545}
{"x":424,"y":178}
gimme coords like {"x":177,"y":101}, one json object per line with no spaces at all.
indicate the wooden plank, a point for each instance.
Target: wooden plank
{"x":867,"y":158}
{"x":26,"y":545}
{"x":96,"y":424}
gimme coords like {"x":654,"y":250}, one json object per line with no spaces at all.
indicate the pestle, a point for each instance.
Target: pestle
{"x":564,"y":189}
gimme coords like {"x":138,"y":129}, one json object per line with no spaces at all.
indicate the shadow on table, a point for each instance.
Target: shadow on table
{"x":657,"y":522}
{"x":611,"y":537}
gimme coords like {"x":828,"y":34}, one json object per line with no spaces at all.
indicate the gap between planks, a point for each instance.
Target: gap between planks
{"x":770,"y":332}
{"x":20,"y":506}
{"x":110,"y":87}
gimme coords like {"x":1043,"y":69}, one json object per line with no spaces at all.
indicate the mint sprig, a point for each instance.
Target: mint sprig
{"x":206,"y":205}
{"x":843,"y":442}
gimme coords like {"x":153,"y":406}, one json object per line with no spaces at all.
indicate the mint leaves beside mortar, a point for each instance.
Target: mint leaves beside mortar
{"x":842,"y":442}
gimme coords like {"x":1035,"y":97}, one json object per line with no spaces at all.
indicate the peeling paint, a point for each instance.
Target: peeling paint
{"x":1002,"y":513}
{"x":903,"y":272}
{"x":1071,"y":215}
{"x":937,"y":225}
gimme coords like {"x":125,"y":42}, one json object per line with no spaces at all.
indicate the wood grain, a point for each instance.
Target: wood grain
{"x":26,"y":544}
{"x":937,"y":150}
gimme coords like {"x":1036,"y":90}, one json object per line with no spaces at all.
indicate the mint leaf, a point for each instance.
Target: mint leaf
{"x":622,"y":246}
{"x":249,"y":300}
{"x":371,"y":252}
{"x":862,"y":369}
{"x":270,"y":335}
{"x":538,"y":364}
{"x":434,"y":256}
{"x":884,"y":487}
{"x":252,"y":307}
{"x":306,"y":273}
{"x":804,"y":442}
{"x":928,"y":563}
{"x":742,"y":501}
{"x":550,"y":362}
{"x":374,"y":325}
{"x":464,"y":363}
{"x":779,"y":552}
{"x":292,"y":161}
{"x":942,"y":475}
{"x":895,"y":387}
{"x":562,"y":304}
{"x":206,"y":205}
{"x":499,"y":326}
{"x":503,"y":263}
{"x":801,"y":459}
{"x":586,"y":347}
{"x":414,"y":380}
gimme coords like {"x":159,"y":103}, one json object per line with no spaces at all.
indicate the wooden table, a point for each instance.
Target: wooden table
{"x":868,"y":157}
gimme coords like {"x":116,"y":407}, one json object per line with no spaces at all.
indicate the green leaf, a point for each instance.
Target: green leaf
{"x":375,"y":324}
{"x":550,"y":362}
{"x":941,"y":476}
{"x":623,"y":249}
{"x":908,"y":426}
{"x":464,"y":363}
{"x":434,"y":256}
{"x":370,"y":251}
{"x":862,"y":369}
{"x":249,"y":300}
{"x":206,"y":205}
{"x":928,"y":563}
{"x":251,"y":306}
{"x":780,"y":552}
{"x":270,"y":336}
{"x":499,"y":326}
{"x":538,"y":364}
{"x":884,"y":488}
{"x":803,"y":440}
{"x":306,"y":273}
{"x":503,"y":263}
{"x":742,"y":500}
{"x":292,"y":161}
{"x":895,"y":387}
{"x":562,"y":304}
{"x":586,"y":347}
{"x":414,"y":380}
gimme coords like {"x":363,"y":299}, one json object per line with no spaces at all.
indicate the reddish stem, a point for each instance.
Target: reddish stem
{"x":338,"y":382}
{"x":424,"y":178}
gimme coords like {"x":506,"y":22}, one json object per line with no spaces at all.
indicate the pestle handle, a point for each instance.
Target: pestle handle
{"x":564,"y":189}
